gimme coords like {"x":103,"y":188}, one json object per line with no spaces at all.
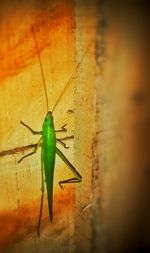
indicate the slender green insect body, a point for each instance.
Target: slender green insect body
{"x":49,"y":150}
{"x":48,"y":159}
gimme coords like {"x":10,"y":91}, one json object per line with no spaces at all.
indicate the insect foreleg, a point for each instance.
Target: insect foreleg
{"x":32,"y":131}
{"x":63,"y":129}
{"x":77,"y":177}
{"x":33,"y":152}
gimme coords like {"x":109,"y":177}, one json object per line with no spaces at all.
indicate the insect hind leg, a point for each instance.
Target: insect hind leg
{"x":77,"y":178}
{"x":42,"y":195}
{"x":70,"y":181}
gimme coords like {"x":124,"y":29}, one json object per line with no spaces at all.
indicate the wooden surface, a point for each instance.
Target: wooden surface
{"x":121,"y":169}
{"x":109,"y":101}
{"x":22,"y":98}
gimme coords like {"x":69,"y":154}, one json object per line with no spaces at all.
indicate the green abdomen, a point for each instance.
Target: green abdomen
{"x":49,"y":147}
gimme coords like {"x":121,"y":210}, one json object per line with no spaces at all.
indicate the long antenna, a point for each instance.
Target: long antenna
{"x":72,"y":76}
{"x":41,"y":67}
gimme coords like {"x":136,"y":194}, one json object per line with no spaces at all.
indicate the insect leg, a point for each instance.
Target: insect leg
{"x":60,"y":140}
{"x":32,"y":131}
{"x":66,"y":138}
{"x":77,"y":177}
{"x":33,"y":152}
{"x":62,"y":143}
{"x":63,"y":129}
{"x":42,"y":194}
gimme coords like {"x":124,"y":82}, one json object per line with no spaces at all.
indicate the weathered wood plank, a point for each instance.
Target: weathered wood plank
{"x":22,"y":98}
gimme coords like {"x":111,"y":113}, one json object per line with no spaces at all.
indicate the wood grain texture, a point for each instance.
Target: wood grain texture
{"x":84,"y":123}
{"x":22,"y":98}
{"x":106,"y":108}
{"x":123,"y":138}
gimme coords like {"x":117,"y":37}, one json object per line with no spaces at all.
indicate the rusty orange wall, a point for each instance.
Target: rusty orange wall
{"x":64,"y":31}
{"x":109,"y":99}
{"x":121,"y":189}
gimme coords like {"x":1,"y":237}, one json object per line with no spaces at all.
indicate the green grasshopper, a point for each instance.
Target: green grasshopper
{"x":49,"y":150}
